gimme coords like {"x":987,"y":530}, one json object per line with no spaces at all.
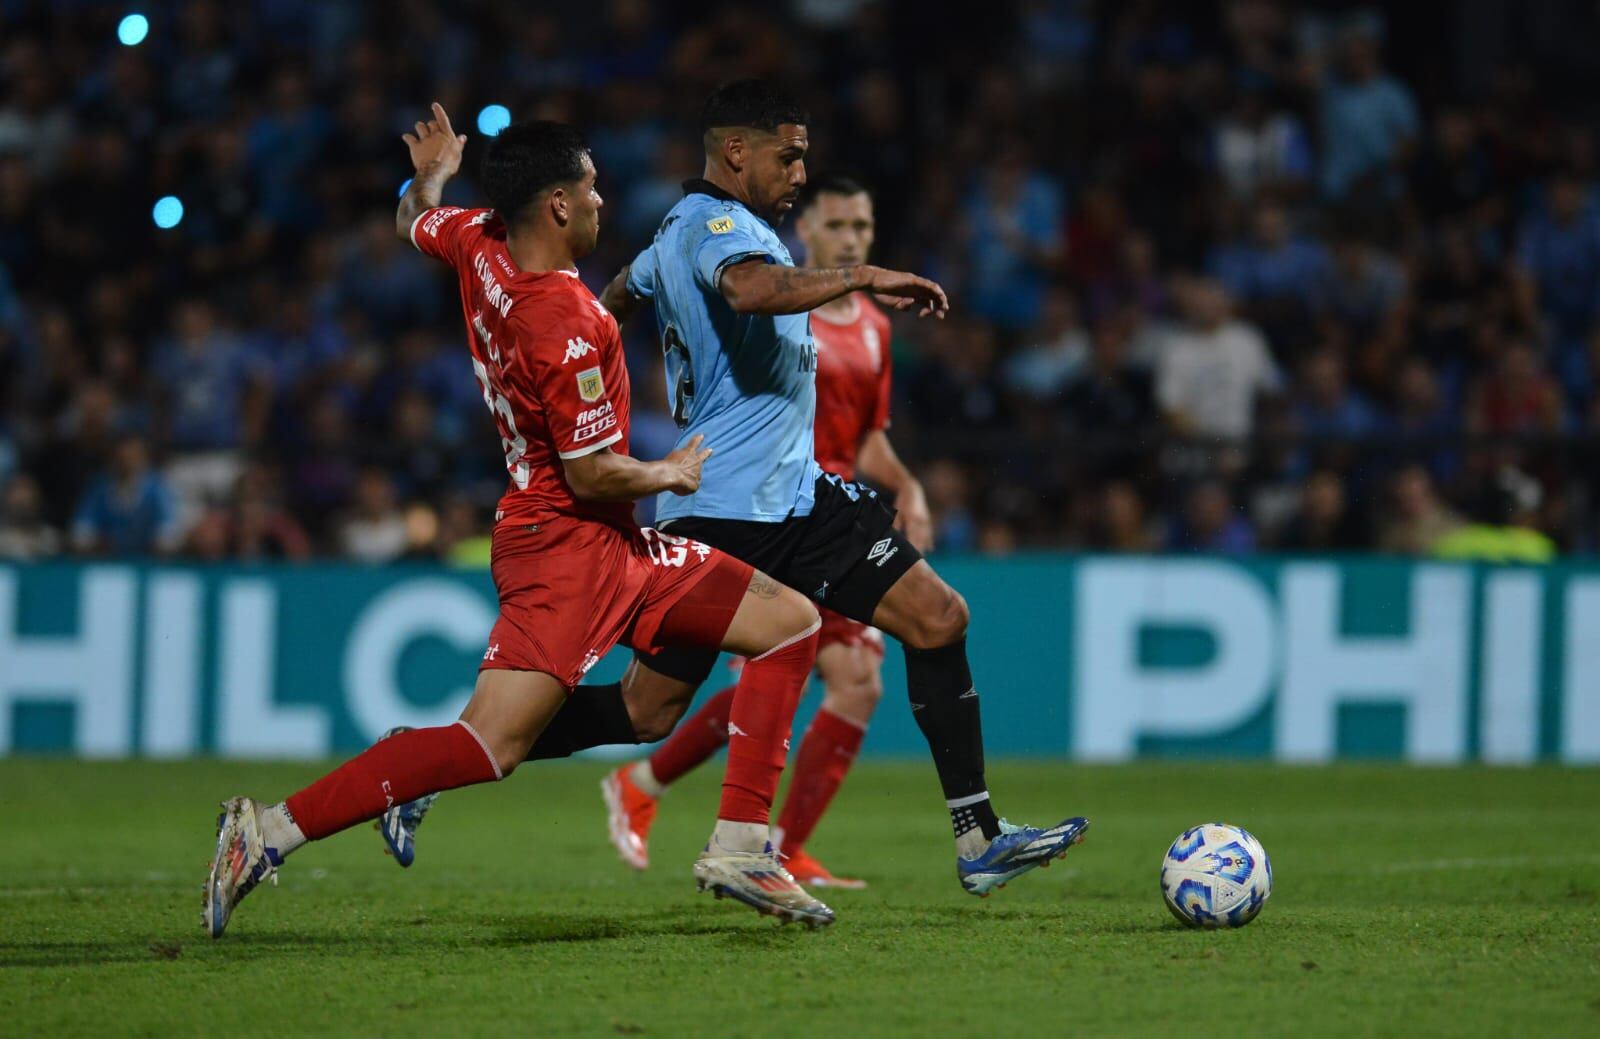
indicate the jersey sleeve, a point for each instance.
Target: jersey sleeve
{"x":438,"y":232}
{"x":726,"y":239}
{"x":569,"y":373}
{"x":642,"y":274}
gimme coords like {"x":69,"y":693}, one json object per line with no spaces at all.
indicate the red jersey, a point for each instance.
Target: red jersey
{"x":852,"y":383}
{"x":549,"y":361}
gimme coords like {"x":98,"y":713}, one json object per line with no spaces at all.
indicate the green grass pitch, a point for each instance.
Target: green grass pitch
{"x":1409,"y":902}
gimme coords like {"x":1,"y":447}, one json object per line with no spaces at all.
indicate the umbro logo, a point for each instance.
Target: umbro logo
{"x":883,"y":551}
{"x":576,"y":348}
{"x":970,"y":694}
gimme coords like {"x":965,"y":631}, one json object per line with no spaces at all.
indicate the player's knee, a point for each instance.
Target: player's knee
{"x":944,"y":622}
{"x":799,"y":615}
{"x":657,"y":722}
{"x":855,"y":699}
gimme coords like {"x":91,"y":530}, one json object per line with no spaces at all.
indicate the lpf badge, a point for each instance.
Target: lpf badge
{"x":591,"y":387}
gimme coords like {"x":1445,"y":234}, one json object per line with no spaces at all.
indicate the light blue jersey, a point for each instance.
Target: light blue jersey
{"x":747,"y":382}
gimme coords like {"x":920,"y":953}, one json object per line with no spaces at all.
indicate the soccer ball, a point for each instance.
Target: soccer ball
{"x":1216,"y":875}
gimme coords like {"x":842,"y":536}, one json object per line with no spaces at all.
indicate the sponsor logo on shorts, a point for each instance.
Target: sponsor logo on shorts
{"x":590,"y":659}
{"x":591,"y":386}
{"x":491,"y":652}
{"x":577,"y":347}
{"x":720,"y":225}
{"x":883,"y":551}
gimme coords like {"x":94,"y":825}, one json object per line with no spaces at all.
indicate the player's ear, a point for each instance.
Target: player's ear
{"x":560,"y":206}
{"x":735,"y":151}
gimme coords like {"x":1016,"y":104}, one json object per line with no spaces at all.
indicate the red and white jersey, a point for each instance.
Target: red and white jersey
{"x":852,"y":383}
{"x":549,"y":361}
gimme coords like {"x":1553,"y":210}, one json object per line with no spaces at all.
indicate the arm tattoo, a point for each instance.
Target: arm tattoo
{"x":764,"y":587}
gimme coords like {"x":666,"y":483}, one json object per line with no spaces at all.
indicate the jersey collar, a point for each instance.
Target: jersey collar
{"x":701,"y":186}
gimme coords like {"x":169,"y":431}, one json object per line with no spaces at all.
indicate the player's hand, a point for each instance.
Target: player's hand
{"x":913,"y":519}
{"x":436,"y":141}
{"x":903,"y":291}
{"x":683,"y":466}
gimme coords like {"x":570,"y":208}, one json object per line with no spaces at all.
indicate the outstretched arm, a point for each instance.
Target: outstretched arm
{"x":436,"y":156}
{"x":755,"y":286}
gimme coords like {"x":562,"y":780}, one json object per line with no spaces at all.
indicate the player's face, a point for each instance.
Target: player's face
{"x":777,"y":170}
{"x":583,"y":212}
{"x":837,"y":230}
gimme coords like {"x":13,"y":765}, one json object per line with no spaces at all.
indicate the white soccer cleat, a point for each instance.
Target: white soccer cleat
{"x":240,"y":863}
{"x":759,"y":880}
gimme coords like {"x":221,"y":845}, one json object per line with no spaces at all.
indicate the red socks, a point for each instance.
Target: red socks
{"x":694,"y":740}
{"x":826,"y":754}
{"x":758,"y":727}
{"x":393,"y":771}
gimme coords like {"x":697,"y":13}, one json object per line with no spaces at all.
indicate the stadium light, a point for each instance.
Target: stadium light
{"x":404,"y":188}
{"x":167,"y":212}
{"x":492,"y":119}
{"x":132,"y":30}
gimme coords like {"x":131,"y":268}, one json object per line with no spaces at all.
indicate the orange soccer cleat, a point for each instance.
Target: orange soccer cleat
{"x":807,"y":870}
{"x":629,"y":813}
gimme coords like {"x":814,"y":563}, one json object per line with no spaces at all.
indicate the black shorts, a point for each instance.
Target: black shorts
{"x":845,"y":554}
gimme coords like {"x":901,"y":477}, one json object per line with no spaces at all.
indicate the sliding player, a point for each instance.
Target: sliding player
{"x":835,"y":224}
{"x":574,"y":574}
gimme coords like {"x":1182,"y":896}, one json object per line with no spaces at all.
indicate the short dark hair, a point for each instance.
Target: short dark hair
{"x":828,"y":184}
{"x":525,"y":159}
{"x":751,"y":102}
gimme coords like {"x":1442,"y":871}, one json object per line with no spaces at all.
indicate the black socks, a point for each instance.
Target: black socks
{"x":945,"y":705}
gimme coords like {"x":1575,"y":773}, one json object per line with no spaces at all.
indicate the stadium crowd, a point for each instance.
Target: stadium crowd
{"x":1229,"y":277}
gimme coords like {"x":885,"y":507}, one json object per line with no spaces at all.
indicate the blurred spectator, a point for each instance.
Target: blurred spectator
{"x":252,"y":527}
{"x":1210,"y":523}
{"x":128,"y":511}
{"x":1508,"y":531}
{"x":1324,"y":521}
{"x":1517,"y":396}
{"x":1324,"y":404}
{"x":1213,"y":368}
{"x":375,"y":531}
{"x":1120,"y":523}
{"x":1110,"y":405}
{"x":1279,"y":277}
{"x":1369,"y":119}
{"x":1558,"y":273}
{"x":1419,"y":519}
{"x":1057,"y":350}
{"x":949,"y":499}
{"x":24,"y":534}
{"x":1256,"y":148}
{"x":1013,"y":222}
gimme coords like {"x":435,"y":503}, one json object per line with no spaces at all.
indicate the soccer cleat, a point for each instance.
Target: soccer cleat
{"x":757,"y":879}
{"x":808,"y":871}
{"x":1017,"y":850}
{"x":629,"y":813}
{"x":398,"y":825}
{"x":241,"y":862}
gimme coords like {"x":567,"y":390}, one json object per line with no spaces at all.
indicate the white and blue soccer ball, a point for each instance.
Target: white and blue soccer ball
{"x":1216,"y":875}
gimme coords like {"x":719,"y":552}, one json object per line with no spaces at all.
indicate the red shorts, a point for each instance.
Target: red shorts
{"x":839,"y":630}
{"x":571,"y":589}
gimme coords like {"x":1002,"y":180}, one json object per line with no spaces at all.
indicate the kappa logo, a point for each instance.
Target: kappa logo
{"x":734,"y":730}
{"x":591,"y":386}
{"x":577,"y":347}
{"x":883,"y":551}
{"x":720,"y":225}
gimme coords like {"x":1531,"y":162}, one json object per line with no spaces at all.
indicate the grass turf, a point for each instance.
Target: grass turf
{"x":1409,"y":902}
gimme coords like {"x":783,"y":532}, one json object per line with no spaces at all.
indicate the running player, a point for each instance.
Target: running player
{"x":574,"y":574}
{"x":741,"y":363}
{"x":834,"y":222}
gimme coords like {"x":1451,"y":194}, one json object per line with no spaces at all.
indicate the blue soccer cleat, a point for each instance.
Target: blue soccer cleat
{"x":241,"y":862}
{"x":1017,"y":850}
{"x":399,"y":824}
